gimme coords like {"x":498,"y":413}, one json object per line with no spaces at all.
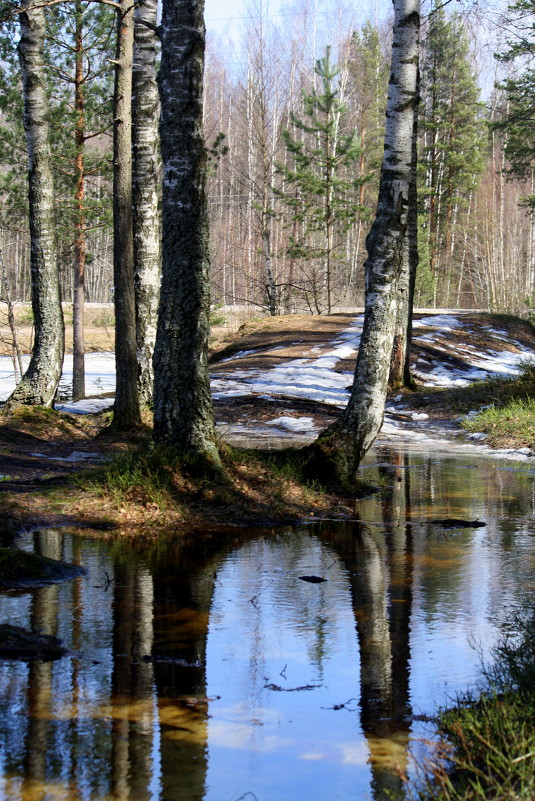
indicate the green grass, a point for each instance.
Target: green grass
{"x":261,"y":485}
{"x":146,"y":477}
{"x":510,"y":416}
{"x":487,"y":746}
{"x":513,"y":422}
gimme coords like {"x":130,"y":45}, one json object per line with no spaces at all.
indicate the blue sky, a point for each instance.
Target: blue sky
{"x":221,"y":14}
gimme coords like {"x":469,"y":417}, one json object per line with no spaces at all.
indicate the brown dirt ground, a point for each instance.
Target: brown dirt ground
{"x":295,"y":337}
{"x":35,"y":482}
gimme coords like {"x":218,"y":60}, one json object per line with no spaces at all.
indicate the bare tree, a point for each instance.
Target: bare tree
{"x":146,"y":191}
{"x":40,"y":382}
{"x":183,"y":414}
{"x":339,"y":450}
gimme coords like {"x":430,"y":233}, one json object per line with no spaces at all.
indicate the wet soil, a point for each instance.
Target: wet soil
{"x":270,"y":343}
{"x":40,"y":450}
{"x":23,"y":645}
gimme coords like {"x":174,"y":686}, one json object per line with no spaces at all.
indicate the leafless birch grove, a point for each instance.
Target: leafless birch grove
{"x":476,"y":239}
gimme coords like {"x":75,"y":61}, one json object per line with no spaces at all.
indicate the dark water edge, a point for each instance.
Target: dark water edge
{"x":206,"y":668}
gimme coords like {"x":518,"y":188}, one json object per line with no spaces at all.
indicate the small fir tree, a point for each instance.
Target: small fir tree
{"x":319,"y":193}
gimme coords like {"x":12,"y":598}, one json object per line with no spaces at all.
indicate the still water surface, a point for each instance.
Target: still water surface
{"x":205,"y":669}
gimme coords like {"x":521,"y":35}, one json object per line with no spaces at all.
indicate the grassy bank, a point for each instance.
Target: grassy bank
{"x":150,"y":485}
{"x":487,"y":742}
{"x":507,"y":410}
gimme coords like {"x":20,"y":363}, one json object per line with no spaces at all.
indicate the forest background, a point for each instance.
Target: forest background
{"x":278,"y":107}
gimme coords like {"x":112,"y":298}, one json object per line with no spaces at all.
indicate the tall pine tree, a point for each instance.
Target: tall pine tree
{"x":369,"y":70}
{"x":453,"y":138}
{"x":78,"y":52}
{"x":518,"y":118}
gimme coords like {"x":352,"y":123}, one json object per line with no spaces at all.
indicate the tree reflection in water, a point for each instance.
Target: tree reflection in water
{"x":160,"y":630}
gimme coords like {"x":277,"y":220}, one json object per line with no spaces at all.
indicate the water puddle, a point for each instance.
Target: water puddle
{"x":209,"y":669}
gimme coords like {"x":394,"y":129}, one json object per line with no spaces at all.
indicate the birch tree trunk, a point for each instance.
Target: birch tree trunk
{"x":126,"y":411}
{"x":183,"y":414}
{"x":340,"y":449}
{"x":400,"y":369}
{"x":146,"y":185}
{"x":40,"y":382}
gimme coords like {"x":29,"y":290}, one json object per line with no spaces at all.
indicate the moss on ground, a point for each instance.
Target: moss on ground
{"x":21,"y":569}
{"x":21,"y":644}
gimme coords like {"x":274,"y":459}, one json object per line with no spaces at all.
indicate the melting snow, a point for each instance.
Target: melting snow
{"x":312,"y":378}
{"x":99,"y":374}
{"x":75,"y":456}
{"x":239,"y":355}
{"x":297,"y":424}
{"x":442,"y":322}
{"x":86,"y":406}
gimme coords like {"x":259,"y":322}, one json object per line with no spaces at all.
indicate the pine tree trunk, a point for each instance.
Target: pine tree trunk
{"x":146,"y":184}
{"x":340,"y":449}
{"x":40,"y":382}
{"x":183,"y":414}
{"x":126,"y":411}
{"x":78,"y":349}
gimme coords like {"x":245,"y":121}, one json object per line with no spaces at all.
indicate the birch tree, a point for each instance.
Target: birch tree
{"x":39,"y":384}
{"x":340,"y":449}
{"x":400,"y":369}
{"x":183,"y":414}
{"x":146,"y":190}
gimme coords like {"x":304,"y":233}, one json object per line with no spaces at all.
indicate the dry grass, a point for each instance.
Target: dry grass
{"x":99,"y":328}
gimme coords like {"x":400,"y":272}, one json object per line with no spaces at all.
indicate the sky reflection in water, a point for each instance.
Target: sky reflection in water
{"x":209,"y":670}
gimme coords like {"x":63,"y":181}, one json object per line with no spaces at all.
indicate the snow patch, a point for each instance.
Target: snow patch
{"x":298,"y":424}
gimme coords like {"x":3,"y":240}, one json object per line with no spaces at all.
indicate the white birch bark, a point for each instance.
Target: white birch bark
{"x":342,"y":446}
{"x":39,"y":384}
{"x":400,"y":371}
{"x":183,"y":414}
{"x":146,"y":188}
